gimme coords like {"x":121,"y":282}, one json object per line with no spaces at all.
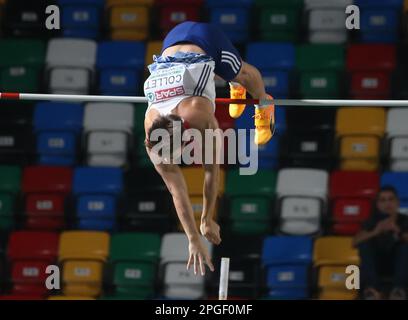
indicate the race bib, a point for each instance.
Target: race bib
{"x":164,"y":84}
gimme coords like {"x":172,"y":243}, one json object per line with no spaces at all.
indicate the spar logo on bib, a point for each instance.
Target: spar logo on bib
{"x":169,"y":93}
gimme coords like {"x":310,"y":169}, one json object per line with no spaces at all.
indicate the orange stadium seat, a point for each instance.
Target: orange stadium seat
{"x":83,"y":254}
{"x":129,"y":19}
{"x":152,"y":48}
{"x":331,"y":256}
{"x":195,"y":179}
{"x":359,"y":131}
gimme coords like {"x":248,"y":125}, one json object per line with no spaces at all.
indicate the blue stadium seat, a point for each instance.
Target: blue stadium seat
{"x":380,"y":20}
{"x":268,"y":155}
{"x":120,"y":65}
{"x":287,"y":260}
{"x":81,"y":18}
{"x":97,"y":191}
{"x":399,"y":180}
{"x":57,"y":126}
{"x":232,"y":16}
{"x":275,"y":60}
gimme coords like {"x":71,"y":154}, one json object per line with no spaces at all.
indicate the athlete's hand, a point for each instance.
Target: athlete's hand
{"x":199,"y":256}
{"x":211,"y":231}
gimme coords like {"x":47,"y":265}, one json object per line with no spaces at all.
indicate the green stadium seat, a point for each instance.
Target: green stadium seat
{"x":279,"y":19}
{"x":133,"y":257}
{"x":250,"y":201}
{"x":10,"y":179}
{"x":320,"y":69}
{"x":21,"y":62}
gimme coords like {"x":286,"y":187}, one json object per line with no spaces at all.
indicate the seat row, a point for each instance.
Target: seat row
{"x":277,"y":21}
{"x":144,"y":265}
{"x":290,"y":201}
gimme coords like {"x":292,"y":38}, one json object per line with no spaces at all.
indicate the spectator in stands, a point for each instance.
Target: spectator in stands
{"x":383,"y":246}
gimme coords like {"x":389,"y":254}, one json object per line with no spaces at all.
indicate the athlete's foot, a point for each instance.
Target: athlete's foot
{"x":264,"y":123}
{"x":237,"y":92}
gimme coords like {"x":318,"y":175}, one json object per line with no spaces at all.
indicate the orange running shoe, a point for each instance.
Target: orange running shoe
{"x":264,"y":123}
{"x":236,"y":92}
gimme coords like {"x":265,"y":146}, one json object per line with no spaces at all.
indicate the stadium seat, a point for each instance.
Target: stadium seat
{"x":29,"y":254}
{"x":399,"y":180}
{"x":26,"y":19}
{"x":379,"y":20}
{"x":45,"y":190}
{"x":331,"y":256}
{"x":250,"y":201}
{"x":69,"y":298}
{"x":359,"y":131}
{"x":149,"y":205}
{"x":244,"y":269}
{"x":97,"y":194}
{"x":83,"y":255}
{"x":81,"y":19}
{"x":279,"y":20}
{"x":120,"y":65}
{"x":275,"y":60}
{"x":152,"y":48}
{"x":70,"y":65}
{"x":57,"y":127}
{"x":287,"y":261}
{"x":309,"y":139}
{"x":177,"y":282}
{"x":370,"y":67}
{"x":194,"y":178}
{"x":320,"y":68}
{"x":10,"y":179}
{"x":302,"y":197}
{"x":134,"y":258}
{"x":232,"y":16}
{"x":352,"y":194}
{"x":16,"y":137}
{"x":397,"y":138}
{"x":326,"y":20}
{"x":108,"y":131}
{"x":129,"y":19}
{"x":173,"y":12}
{"x":21,"y":63}
{"x":267,"y":156}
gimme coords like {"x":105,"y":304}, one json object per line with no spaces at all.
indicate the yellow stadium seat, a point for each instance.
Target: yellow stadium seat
{"x":329,"y":294}
{"x":332,"y":277}
{"x":194,"y":177}
{"x":82,"y":278}
{"x":356,"y":121}
{"x":406,"y":6}
{"x":110,"y":3}
{"x":84,"y":245}
{"x":69,"y":298}
{"x":197,"y":204}
{"x":334,"y":251}
{"x":153,"y":48}
{"x":129,"y":22}
{"x":360,"y":131}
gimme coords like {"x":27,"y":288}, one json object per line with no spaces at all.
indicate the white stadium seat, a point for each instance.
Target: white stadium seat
{"x":397,"y":134}
{"x":180,"y":283}
{"x":70,"y":65}
{"x":108,"y":128}
{"x":302,"y":194}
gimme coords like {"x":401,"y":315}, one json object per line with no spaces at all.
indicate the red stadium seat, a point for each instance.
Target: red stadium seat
{"x":352,"y":193}
{"x":173,"y":12}
{"x":370,"y":66}
{"x":45,"y":189}
{"x":29,"y":253}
